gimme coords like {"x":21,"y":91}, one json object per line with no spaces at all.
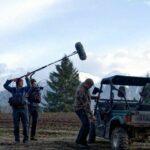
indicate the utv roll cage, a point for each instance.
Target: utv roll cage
{"x":126,"y":80}
{"x":122,"y":81}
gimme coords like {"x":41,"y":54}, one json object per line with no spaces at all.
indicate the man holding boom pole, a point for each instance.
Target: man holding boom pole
{"x":34,"y":98}
{"x":18,"y":103}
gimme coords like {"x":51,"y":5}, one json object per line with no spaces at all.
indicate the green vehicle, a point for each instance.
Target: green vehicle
{"x":123,"y":110}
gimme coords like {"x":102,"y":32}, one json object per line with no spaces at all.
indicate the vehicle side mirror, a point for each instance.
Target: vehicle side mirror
{"x":121,"y":91}
{"x":96,"y":90}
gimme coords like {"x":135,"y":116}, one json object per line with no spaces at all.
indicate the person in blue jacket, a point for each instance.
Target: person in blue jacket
{"x":20,"y":110}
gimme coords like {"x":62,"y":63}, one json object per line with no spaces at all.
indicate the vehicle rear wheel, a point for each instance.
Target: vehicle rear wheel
{"x":119,"y":139}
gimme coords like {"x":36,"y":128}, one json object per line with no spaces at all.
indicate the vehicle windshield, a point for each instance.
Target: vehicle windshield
{"x":132,"y":93}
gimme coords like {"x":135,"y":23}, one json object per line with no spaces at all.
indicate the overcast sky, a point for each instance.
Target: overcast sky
{"x":115,"y":34}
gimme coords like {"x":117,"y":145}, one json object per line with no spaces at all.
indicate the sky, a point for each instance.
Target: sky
{"x":115,"y":35}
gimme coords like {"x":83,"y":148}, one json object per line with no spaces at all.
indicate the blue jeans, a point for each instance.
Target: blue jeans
{"x":85,"y":125}
{"x":33,"y":118}
{"x":20,"y":114}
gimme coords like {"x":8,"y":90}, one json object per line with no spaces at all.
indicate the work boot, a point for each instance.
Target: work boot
{"x":16,"y":142}
{"x":33,"y":139}
{"x":83,"y":146}
{"x":26,"y":142}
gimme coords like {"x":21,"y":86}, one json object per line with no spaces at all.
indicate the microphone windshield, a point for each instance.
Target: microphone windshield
{"x":80,"y":51}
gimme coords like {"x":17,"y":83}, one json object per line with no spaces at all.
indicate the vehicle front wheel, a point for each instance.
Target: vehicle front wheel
{"x":119,"y":139}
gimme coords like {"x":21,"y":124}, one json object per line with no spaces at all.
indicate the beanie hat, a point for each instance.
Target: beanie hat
{"x":32,"y":81}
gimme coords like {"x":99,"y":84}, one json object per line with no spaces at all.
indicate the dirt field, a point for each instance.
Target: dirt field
{"x":56,"y":131}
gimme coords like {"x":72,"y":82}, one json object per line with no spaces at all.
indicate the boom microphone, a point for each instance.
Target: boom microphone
{"x":80,"y":50}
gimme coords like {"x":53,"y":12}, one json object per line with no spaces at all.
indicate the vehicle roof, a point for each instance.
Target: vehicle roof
{"x":126,"y":80}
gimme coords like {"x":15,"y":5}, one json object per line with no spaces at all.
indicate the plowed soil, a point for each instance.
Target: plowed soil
{"x":55,"y":131}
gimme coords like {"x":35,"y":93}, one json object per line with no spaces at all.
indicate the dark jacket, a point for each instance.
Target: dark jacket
{"x":14,"y":90}
{"x":34,"y":95}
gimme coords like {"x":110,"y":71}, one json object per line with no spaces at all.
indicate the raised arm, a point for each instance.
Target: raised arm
{"x":7,"y":87}
{"x":27,"y":88}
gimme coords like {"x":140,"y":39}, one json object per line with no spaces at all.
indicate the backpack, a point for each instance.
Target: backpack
{"x":34,"y":95}
{"x":18,"y":99}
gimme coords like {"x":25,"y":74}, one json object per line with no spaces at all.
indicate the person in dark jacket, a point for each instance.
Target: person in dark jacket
{"x":20,"y":110}
{"x":34,"y":98}
{"x":83,"y":111}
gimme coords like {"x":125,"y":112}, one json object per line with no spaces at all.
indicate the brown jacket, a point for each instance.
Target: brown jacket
{"x":82,"y":99}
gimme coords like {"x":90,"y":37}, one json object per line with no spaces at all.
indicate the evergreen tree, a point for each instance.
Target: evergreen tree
{"x":63,"y":83}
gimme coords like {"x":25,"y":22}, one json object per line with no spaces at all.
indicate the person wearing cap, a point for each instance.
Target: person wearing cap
{"x":34,"y":98}
{"x":20,"y":112}
{"x":83,"y":111}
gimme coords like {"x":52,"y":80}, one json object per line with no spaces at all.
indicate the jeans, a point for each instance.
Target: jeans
{"x":20,"y":114}
{"x":85,"y":125}
{"x":33,"y":116}
{"x":92,"y":133}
